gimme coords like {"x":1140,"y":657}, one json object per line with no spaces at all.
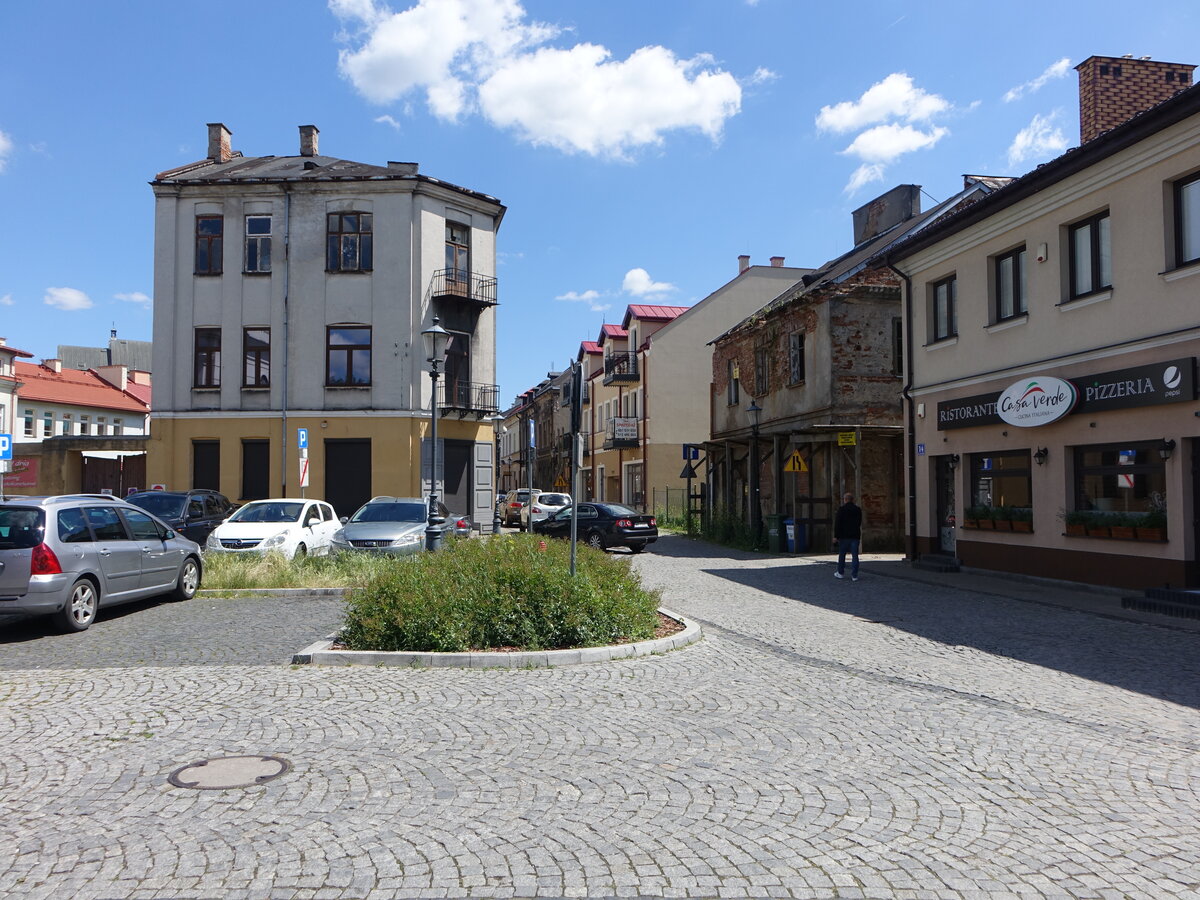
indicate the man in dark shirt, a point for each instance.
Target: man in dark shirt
{"x":847,"y":534}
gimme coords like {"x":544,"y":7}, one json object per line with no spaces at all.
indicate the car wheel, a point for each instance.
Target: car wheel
{"x":595,"y":540}
{"x":189,"y":580}
{"x":80,"y":610}
{"x":636,"y":548}
{"x":300,"y":553}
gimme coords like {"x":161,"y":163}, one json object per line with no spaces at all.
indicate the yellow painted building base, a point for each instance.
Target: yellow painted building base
{"x":395,"y":450}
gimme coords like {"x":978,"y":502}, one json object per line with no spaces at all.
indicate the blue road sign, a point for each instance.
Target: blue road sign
{"x":691,"y":451}
{"x":920,"y":449}
{"x":5,"y":446}
{"x":302,"y":438}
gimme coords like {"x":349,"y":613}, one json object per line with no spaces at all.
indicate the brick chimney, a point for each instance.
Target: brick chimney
{"x":886,"y":211}
{"x":54,"y":365}
{"x":219,"y":149}
{"x":1114,"y":89}
{"x":743,"y":263}
{"x":777,"y":262}
{"x":308,"y":140}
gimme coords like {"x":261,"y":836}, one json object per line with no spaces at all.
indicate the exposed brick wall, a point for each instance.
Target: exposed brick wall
{"x":1113,"y":90}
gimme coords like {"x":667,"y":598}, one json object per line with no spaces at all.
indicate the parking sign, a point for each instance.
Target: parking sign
{"x":302,"y":438}
{"x":5,"y":446}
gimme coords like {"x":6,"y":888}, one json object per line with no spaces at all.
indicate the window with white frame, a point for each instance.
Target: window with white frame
{"x":1090,"y":255}
{"x":944,"y":300}
{"x":47,"y":424}
{"x":85,"y":424}
{"x":258,"y":245}
{"x":101,"y":425}
{"x":1010,"y":285}
{"x":68,"y":427}
{"x":28,"y":416}
{"x":117,"y":426}
{"x":1187,"y":220}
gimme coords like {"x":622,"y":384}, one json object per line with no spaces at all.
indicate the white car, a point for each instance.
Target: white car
{"x":545,"y":503}
{"x":291,"y":526}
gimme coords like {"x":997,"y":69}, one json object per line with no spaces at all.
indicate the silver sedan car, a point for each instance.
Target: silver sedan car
{"x":395,"y":526}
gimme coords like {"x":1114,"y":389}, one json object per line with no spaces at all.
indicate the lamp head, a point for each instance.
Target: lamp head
{"x":436,"y":338}
{"x":1040,"y":456}
{"x":1166,"y":448}
{"x":755,"y":411}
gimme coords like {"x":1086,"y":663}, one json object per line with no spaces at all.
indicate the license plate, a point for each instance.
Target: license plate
{"x":640,"y":525}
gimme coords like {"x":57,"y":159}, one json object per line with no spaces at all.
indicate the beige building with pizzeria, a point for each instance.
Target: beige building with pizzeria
{"x":1052,"y":331}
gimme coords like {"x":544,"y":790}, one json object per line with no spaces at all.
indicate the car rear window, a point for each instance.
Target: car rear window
{"x":21,"y":527}
{"x":391,"y":512}
{"x":553,"y":499}
{"x":168,"y":506}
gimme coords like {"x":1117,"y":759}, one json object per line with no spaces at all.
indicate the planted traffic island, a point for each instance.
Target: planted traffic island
{"x":507,"y":602}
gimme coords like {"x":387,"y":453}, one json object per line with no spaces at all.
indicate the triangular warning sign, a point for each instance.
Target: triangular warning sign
{"x":689,"y":471}
{"x":795,"y":463}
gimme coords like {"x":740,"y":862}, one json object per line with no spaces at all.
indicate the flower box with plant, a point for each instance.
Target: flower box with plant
{"x":1022,"y":519}
{"x":987,"y":518}
{"x":1120,"y":526}
{"x":1153,"y":525}
{"x":1076,"y":521}
{"x":1003,"y":515}
{"x":1098,"y":525}
{"x":972,"y":515}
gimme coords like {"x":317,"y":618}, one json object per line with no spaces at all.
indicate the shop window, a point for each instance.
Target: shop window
{"x":1120,"y":478}
{"x":1187,"y":220}
{"x":1090,"y":256}
{"x":1001,"y":480}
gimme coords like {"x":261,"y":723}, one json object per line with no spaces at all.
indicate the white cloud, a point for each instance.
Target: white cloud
{"x":896,"y":97}
{"x":6,"y":146}
{"x":884,"y":143}
{"x":589,"y":297}
{"x":485,"y":56}
{"x":864,"y":175}
{"x":762,"y":75}
{"x":67,"y":299}
{"x":639,"y":283}
{"x":136,"y":297}
{"x":580,"y":100}
{"x":1041,"y":137}
{"x":7,"y":300}
{"x":387,"y":120}
{"x":1054,"y":70}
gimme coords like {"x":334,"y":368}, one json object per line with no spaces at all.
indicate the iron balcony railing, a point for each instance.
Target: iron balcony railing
{"x":621,"y":431}
{"x":459,"y":284}
{"x":621,"y":368}
{"x":468,"y":397}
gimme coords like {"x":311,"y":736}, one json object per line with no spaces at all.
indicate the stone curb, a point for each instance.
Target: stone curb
{"x":274,"y":592}
{"x":320,"y":654}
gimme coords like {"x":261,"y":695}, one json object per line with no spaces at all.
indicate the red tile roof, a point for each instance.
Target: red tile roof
{"x":608,"y":330}
{"x":14,"y":351}
{"x":590,"y":347}
{"x":652,"y":313}
{"x":139,"y":391}
{"x":74,"y":387}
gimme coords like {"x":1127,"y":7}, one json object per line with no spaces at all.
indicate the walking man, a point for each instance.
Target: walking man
{"x":847,"y":534}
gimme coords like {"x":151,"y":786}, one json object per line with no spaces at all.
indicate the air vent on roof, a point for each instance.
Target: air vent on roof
{"x":309,"y":165}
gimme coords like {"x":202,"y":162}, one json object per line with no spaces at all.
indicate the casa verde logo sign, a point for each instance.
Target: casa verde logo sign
{"x":1036,"y":401}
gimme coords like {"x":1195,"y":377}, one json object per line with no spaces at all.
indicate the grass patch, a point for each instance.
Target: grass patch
{"x":500,"y":593}
{"x":246,"y":571}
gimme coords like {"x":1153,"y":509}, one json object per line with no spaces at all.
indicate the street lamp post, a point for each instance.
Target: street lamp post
{"x":755,"y":507}
{"x":436,"y":337}
{"x":498,"y":429}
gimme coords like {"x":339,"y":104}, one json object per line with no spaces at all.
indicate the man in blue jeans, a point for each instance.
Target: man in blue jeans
{"x":847,"y":534}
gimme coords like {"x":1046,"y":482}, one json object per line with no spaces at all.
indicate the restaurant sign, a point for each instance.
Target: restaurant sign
{"x":1036,"y":401}
{"x":1172,"y":381}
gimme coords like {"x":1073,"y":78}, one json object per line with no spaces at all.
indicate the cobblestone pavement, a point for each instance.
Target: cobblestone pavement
{"x":884,"y":739}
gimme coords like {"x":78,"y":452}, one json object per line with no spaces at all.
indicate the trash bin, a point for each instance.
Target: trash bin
{"x":774,"y":533}
{"x":797,"y":536}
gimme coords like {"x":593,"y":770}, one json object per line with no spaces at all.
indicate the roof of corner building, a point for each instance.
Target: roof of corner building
{"x":649,"y":313}
{"x":311,"y":169}
{"x":73,"y":387}
{"x":5,"y":348}
{"x":1144,"y":124}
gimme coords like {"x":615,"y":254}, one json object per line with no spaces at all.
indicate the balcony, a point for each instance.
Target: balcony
{"x":621,"y":368}
{"x":621,"y":432}
{"x":478,"y":291}
{"x":468,"y":398}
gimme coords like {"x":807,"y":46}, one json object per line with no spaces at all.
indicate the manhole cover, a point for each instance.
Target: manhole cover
{"x":229,"y":772}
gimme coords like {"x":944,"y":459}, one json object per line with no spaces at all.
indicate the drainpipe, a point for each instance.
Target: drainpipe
{"x":287,"y":265}
{"x":909,"y":414}
{"x":644,"y":386}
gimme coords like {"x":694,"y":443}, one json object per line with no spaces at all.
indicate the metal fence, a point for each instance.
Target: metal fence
{"x":669,"y":503}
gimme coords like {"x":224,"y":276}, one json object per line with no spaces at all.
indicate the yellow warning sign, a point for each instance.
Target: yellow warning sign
{"x":847,"y":439}
{"x":561,"y":483}
{"x":795,"y":463}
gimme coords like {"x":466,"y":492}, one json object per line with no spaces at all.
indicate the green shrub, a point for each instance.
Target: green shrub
{"x":724,"y":526}
{"x":500,"y":592}
{"x":1156,"y":517}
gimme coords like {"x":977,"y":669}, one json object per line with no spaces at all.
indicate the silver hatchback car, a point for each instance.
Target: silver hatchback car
{"x":69,"y":555}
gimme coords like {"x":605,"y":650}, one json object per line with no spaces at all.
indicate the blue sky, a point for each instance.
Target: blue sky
{"x":640,"y":146}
